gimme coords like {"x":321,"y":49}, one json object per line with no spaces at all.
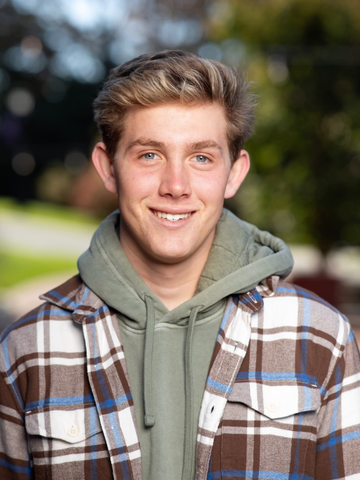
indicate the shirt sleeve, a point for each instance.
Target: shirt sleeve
{"x":14,"y":456}
{"x":338,"y":446}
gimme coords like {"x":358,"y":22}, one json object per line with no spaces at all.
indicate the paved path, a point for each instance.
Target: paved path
{"x":35,"y":235}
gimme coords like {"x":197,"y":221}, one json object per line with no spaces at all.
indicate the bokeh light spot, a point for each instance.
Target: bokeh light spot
{"x":233,"y":51}
{"x":173,"y":33}
{"x":20,"y":102}
{"x":23,"y":164}
{"x":210,"y":50}
{"x":277,"y":69}
{"x":31,"y":46}
{"x":57,"y":38}
{"x":79,"y":63}
{"x":17,"y":60}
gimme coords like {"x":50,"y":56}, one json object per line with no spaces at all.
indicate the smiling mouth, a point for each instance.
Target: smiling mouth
{"x":172,"y":217}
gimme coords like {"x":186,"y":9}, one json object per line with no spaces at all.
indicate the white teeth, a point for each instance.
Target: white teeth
{"x":172,"y":218}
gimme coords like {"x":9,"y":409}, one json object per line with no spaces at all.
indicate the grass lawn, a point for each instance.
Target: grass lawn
{"x":16,"y":267}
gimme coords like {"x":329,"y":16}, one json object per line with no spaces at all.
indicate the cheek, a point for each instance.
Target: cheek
{"x":133,"y":188}
{"x":212,"y":189}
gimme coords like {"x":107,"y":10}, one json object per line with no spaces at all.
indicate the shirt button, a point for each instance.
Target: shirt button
{"x":73,"y":431}
{"x":272,"y":407}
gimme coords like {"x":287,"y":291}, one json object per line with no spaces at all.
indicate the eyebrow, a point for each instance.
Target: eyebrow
{"x":147,"y":142}
{"x":206,"y":144}
{"x":144,"y":142}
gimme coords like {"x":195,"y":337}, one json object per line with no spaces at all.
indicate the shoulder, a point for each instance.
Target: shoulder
{"x":31,"y":333}
{"x":292,"y":306}
{"x":298,"y":335}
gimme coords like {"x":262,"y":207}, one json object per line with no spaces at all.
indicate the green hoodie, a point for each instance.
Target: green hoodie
{"x":168,"y":353}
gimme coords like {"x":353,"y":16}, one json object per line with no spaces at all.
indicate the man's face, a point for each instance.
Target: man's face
{"x":172,"y":171}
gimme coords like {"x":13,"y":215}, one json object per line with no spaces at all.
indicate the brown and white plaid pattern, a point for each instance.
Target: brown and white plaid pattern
{"x":282,"y":399}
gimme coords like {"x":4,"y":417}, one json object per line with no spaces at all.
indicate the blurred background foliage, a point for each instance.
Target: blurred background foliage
{"x":303,"y":59}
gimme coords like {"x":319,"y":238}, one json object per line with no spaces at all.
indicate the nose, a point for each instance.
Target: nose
{"x":175,"y":180}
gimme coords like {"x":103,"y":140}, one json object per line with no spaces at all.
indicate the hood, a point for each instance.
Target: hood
{"x":240,"y":258}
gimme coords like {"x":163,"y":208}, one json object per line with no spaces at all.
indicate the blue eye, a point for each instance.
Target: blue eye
{"x":201,"y":158}
{"x":149,"y":156}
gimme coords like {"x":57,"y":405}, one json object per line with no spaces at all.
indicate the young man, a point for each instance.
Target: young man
{"x":179,"y":352}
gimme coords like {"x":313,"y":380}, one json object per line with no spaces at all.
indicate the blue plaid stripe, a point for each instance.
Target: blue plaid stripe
{"x":218,"y":386}
{"x":228,"y":311}
{"x":59,"y":401}
{"x":65,"y":300}
{"x":263,"y":474}
{"x":337,"y":440}
{"x":15,"y":468}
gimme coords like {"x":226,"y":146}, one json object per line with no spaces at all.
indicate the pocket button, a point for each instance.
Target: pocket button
{"x":73,"y":431}
{"x":272,"y":407}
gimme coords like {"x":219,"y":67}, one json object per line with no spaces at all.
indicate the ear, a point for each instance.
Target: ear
{"x":238,"y":173}
{"x":104,"y":167}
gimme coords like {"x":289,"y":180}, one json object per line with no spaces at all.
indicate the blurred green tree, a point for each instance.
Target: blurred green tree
{"x":304,"y":59}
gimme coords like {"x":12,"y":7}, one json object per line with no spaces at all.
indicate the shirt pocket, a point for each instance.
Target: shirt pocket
{"x":277,"y":401}
{"x":63,"y":436}
{"x":270,"y":427}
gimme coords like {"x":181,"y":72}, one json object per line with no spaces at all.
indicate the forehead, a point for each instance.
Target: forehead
{"x":176,"y":123}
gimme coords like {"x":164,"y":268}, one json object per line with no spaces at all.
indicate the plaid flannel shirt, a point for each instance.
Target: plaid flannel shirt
{"x":282,"y":399}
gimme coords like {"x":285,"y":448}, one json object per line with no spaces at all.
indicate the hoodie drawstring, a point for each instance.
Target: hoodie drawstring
{"x":149,"y":418}
{"x":189,"y":453}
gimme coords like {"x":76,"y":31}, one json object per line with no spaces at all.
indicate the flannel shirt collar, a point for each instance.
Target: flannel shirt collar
{"x":75,"y":296}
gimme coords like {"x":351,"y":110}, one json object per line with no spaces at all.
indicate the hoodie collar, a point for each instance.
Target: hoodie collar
{"x":76,"y":297}
{"x":240,"y":258}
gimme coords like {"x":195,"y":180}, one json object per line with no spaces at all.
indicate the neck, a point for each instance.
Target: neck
{"x":174,"y":283}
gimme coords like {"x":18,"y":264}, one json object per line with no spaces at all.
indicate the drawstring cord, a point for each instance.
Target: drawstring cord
{"x":189,"y":398}
{"x":149,"y":418}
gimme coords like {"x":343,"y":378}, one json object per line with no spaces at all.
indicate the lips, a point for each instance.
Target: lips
{"x":172,"y":217}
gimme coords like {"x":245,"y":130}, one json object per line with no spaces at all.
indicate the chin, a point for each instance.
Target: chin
{"x":170,"y":258}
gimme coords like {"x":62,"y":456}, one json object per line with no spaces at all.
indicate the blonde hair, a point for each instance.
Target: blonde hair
{"x":169,"y":76}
